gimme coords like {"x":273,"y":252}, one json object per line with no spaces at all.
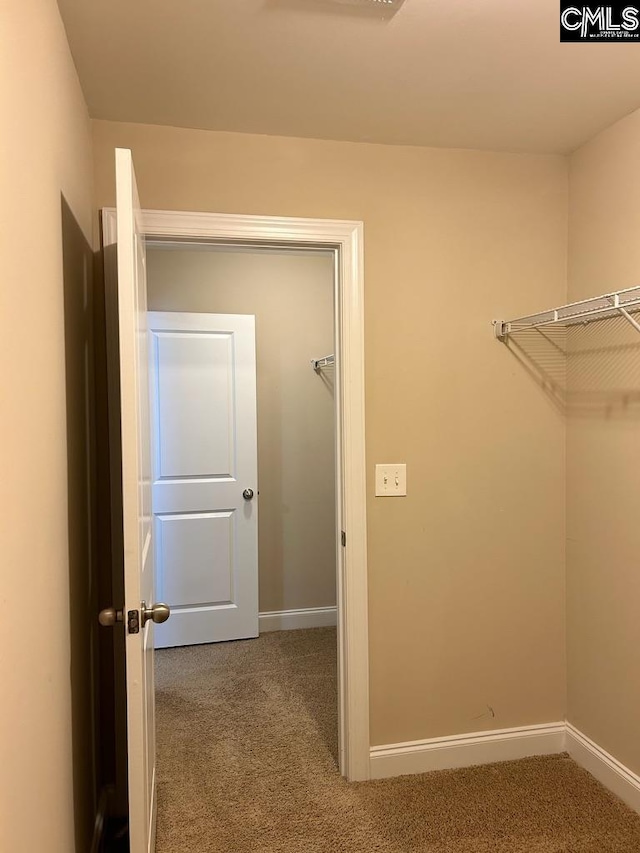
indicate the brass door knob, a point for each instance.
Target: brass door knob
{"x":158,"y":613}
{"x":109,"y":616}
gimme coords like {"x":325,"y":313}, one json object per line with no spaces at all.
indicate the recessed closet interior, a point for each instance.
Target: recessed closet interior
{"x":485,"y":605}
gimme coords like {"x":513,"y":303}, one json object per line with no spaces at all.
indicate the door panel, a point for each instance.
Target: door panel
{"x":137,"y":523}
{"x":195,"y":376}
{"x":195,"y":558}
{"x":204,"y":435}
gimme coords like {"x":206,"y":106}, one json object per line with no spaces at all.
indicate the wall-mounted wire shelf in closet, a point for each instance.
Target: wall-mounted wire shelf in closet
{"x":325,"y":361}
{"x":619,"y":303}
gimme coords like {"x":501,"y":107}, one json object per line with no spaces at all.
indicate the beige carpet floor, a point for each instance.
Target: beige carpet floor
{"x":247,"y":764}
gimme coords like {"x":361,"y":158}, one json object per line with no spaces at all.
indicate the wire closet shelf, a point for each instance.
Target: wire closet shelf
{"x":326,"y":361}
{"x":619,"y":303}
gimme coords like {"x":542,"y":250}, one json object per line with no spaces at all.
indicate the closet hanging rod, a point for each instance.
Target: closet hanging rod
{"x":326,"y":361}
{"x":618,"y":303}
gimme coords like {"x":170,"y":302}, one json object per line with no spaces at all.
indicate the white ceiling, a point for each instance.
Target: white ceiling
{"x":487,"y":74}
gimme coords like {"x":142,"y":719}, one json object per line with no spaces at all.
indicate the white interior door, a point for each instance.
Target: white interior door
{"x":136,"y":506}
{"x":205,"y":471}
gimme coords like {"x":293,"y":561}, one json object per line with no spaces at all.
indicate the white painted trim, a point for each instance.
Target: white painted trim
{"x":290,"y":620}
{"x":443,"y":753}
{"x":606,"y":769}
{"x":345,"y":238}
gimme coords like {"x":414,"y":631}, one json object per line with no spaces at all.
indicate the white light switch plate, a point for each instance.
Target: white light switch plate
{"x":391,"y":480}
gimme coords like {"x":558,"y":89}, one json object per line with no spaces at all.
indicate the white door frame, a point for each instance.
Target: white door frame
{"x":345,"y":238}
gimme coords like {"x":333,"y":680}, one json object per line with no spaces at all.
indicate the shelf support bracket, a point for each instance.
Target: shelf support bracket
{"x":615,"y":301}
{"x":500,"y":329}
{"x":629,"y":318}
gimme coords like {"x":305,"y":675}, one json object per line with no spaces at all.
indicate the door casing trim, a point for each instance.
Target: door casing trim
{"x":346,"y":239}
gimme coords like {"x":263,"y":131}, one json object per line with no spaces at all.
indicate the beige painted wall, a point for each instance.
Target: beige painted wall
{"x":603,"y":488}
{"x":45,"y":151}
{"x":291,"y":295}
{"x":466,"y":575}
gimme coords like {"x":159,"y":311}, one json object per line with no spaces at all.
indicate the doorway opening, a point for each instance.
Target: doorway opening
{"x":239,"y":401}
{"x":345,"y":240}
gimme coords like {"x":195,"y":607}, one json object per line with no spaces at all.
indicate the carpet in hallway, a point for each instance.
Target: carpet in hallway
{"x":247,"y":764}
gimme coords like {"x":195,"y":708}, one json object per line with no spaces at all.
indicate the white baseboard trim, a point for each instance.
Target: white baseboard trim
{"x":445,"y":753}
{"x":289,"y":620}
{"x":606,"y":769}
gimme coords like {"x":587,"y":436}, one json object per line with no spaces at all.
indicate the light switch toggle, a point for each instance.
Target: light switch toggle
{"x":391,"y":480}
